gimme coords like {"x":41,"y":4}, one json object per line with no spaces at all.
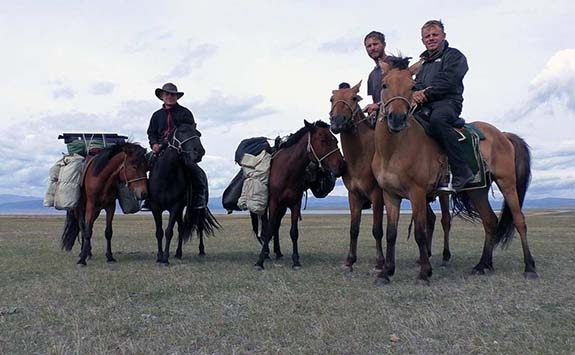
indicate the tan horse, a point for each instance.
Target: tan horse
{"x":408,"y":164}
{"x":357,"y":141}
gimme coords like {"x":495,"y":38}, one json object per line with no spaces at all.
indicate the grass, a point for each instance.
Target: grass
{"x":219,"y":304}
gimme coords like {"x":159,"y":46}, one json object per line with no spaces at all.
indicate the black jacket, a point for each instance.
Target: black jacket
{"x":159,"y":122}
{"x":443,"y":74}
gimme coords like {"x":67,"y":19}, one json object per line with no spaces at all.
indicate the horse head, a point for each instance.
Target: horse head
{"x":322,"y":146}
{"x":134,"y":168}
{"x":185,"y":140}
{"x":345,"y":109}
{"x":397,"y":90}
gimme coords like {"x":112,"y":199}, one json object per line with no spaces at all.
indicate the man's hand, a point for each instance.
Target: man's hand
{"x":419,"y":97}
{"x":155,"y":148}
{"x":371,"y":108}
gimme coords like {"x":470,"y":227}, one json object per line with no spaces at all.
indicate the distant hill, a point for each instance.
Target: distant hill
{"x":15,"y":204}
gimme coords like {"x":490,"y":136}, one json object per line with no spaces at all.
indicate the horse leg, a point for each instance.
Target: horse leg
{"x":377,"y":228}
{"x":480,"y":200}
{"x":268,"y":230}
{"x":110,"y":210}
{"x":88,"y":227}
{"x":169,"y":234}
{"x":392,"y":207}
{"x":446,"y":225}
{"x":276,"y":231}
{"x":419,"y":208}
{"x":180,"y":223}
{"x":294,"y":234}
{"x":431,"y":218}
{"x":159,"y":234}
{"x":355,"y":205}
{"x":509,"y":192}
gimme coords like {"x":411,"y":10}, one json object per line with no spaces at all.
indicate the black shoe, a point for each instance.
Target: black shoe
{"x":146,"y":205}
{"x":460,"y":181}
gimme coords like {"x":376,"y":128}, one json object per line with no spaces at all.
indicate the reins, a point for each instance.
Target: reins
{"x":123,"y":166}
{"x":353,"y":112}
{"x":411,"y":108}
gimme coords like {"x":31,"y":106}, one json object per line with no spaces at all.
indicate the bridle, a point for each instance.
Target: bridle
{"x":410,"y":108}
{"x":312,"y":151}
{"x":353,"y":112}
{"x":123,"y":167}
{"x":177,"y":144}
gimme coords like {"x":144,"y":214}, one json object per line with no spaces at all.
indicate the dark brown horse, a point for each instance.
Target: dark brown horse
{"x":123,"y":163}
{"x":408,"y":164}
{"x":357,"y":141}
{"x":313,"y":142}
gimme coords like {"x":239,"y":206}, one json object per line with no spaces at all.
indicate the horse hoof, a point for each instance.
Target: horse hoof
{"x":111,"y":261}
{"x":422,"y":282}
{"x":477,"y":272}
{"x":178,"y":256}
{"x":202,"y":254}
{"x":347,"y":268}
{"x":444,"y":263}
{"x":81,"y":263}
{"x":296,"y":267}
{"x":164,"y":264}
{"x":258,"y":267}
{"x":532,"y":275}
{"x":381,"y":281}
{"x":279,"y":257}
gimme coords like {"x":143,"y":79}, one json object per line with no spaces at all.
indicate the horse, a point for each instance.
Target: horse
{"x":122,"y":163}
{"x":408,"y":164}
{"x":314,"y":142}
{"x":357,"y":142}
{"x":170,"y":190}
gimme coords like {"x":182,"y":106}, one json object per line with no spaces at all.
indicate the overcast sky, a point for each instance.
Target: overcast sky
{"x":259,"y":68}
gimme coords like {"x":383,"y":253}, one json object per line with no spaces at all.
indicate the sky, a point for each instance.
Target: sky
{"x":259,"y":68}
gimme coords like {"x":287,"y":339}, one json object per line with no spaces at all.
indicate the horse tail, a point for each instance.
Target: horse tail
{"x":201,"y":221}
{"x":71,"y":230}
{"x":505,"y":228}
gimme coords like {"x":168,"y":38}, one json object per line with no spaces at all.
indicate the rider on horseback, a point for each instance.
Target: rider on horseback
{"x":170,"y":116}
{"x":439,"y":92}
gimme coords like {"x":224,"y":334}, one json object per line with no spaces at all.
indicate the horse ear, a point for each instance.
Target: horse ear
{"x":384,"y":66}
{"x":307,"y":124}
{"x":414,"y":69}
{"x":357,"y":86}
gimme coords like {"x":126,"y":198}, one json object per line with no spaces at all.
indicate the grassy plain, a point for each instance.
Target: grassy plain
{"x":218,"y":304}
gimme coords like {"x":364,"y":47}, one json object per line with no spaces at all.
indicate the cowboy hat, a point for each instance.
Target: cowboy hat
{"x":168,"y":87}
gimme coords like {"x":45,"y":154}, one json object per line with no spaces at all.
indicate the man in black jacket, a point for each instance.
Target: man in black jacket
{"x":162,"y":122}
{"x":439,"y":88}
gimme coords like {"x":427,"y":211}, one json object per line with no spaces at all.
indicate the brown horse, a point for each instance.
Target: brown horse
{"x":408,"y":164}
{"x":123,"y":163}
{"x":313,"y":142}
{"x":357,"y":141}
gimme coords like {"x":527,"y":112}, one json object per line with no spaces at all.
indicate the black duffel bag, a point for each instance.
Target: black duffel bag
{"x":233,"y":192}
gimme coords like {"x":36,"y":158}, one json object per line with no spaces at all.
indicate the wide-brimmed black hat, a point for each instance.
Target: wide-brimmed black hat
{"x":168,"y":87}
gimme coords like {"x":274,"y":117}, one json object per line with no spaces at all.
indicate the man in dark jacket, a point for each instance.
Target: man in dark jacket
{"x":162,"y":122}
{"x":374,"y":43}
{"x":439,"y":89}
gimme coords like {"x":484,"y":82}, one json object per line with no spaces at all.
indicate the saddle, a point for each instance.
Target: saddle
{"x":469,"y":138}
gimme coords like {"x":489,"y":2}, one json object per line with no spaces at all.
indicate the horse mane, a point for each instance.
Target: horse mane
{"x":398,"y":62}
{"x":294,"y":137}
{"x":103,"y":158}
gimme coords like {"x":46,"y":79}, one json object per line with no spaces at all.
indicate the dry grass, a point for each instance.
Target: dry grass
{"x":219,"y":304}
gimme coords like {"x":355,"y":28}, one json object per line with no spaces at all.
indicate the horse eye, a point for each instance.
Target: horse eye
{"x":383,"y":86}
{"x":331,"y":99}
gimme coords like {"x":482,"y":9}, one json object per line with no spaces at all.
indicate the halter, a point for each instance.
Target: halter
{"x":353,"y":112}
{"x":179,"y":144}
{"x":410,"y":108}
{"x":123,"y":167}
{"x":312,"y":151}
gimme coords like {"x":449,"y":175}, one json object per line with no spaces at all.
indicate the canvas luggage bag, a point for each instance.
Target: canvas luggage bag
{"x":128,"y":201}
{"x":67,"y":194}
{"x":53,"y":183}
{"x":254,"y":195}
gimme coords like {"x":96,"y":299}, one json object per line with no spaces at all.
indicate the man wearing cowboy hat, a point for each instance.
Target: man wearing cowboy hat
{"x":169,"y":116}
{"x":162,"y":122}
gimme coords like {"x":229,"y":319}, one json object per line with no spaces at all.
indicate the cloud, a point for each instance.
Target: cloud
{"x":193,"y":57}
{"x":102,"y":88}
{"x":220,"y":109}
{"x":342,"y":45}
{"x":63,"y":93}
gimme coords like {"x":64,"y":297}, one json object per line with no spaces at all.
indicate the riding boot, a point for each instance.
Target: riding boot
{"x":200,"y":193}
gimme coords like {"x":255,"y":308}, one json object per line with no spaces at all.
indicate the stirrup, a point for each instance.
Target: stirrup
{"x":446,"y":189}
